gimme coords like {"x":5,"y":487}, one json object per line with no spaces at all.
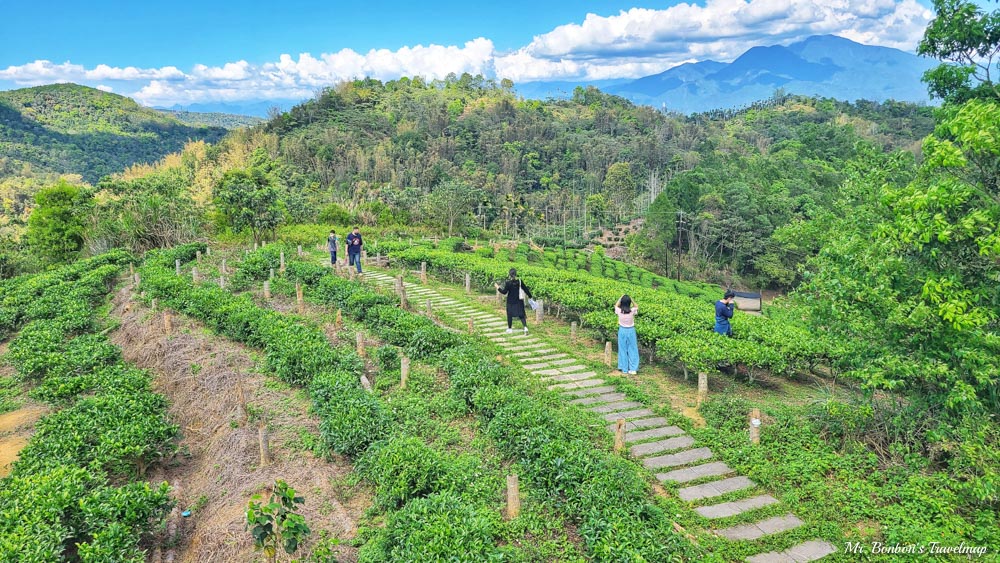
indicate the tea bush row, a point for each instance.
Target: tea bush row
{"x":65,"y":497}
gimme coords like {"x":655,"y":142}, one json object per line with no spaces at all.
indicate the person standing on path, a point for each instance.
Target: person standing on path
{"x":516,"y":293}
{"x":354,"y":246}
{"x":628,"y":342}
{"x":332,"y":244}
{"x":724,"y":312}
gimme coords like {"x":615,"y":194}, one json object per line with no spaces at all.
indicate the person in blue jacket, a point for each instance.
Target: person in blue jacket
{"x":724,"y":312}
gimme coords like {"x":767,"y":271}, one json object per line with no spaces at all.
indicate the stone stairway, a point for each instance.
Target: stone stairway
{"x":666,"y":450}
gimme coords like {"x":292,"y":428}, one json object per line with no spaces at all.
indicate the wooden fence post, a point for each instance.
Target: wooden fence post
{"x":423,"y":272}
{"x":300,"y":251}
{"x":607,"y":352}
{"x":361,"y":344}
{"x":198,"y":256}
{"x":241,"y":399}
{"x":255,"y":247}
{"x":702,"y":387}
{"x":572,"y":332}
{"x":177,"y":266}
{"x":755,"y":426}
{"x":619,"y":434}
{"x":267,"y":289}
{"x":167,"y":325}
{"x":282,"y":262}
{"x":338,"y":323}
{"x":153,"y":305}
{"x":131,"y":269}
{"x":135,"y":279}
{"x":540,"y":312}
{"x":265,"y":451}
{"x":271,"y":275}
{"x":468,"y":283}
{"x":471,"y":326}
{"x":299,"y":298}
{"x":404,"y":371}
{"x":194,"y":275}
{"x":208,"y":251}
{"x":224,"y":271}
{"x":222,"y":282}
{"x":430,"y":308}
{"x":513,"y":497}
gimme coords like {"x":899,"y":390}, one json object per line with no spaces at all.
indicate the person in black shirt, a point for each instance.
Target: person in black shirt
{"x":354,"y":246}
{"x":512,"y":288}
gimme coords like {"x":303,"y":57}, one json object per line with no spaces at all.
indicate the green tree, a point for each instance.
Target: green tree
{"x":620,"y":186}
{"x":247,"y":198}
{"x":451,"y":201}
{"x":909,"y":274}
{"x":55,"y":227}
{"x":967,"y":39}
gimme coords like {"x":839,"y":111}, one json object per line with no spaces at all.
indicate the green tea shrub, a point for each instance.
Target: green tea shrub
{"x":350,"y":418}
{"x":440,"y":527}
{"x":402,"y":468}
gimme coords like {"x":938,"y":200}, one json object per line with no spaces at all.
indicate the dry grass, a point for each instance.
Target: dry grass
{"x":219,"y":469}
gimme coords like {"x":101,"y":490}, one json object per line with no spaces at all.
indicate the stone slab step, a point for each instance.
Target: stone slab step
{"x":606,"y":398}
{"x":661,"y":432}
{"x":558,"y":356}
{"x":715,"y":488}
{"x":571,"y":376}
{"x":680,"y":458}
{"x":760,"y":529}
{"x":539,"y":365}
{"x":563,"y":362}
{"x":571,"y":368}
{"x":696,"y":472}
{"x":515,"y":341}
{"x":637,"y":413}
{"x":577,"y":384}
{"x":638,"y":424}
{"x":650,"y":448}
{"x":591,"y":391}
{"x":616,"y":407}
{"x":727,"y":509}
{"x":523,"y":353}
{"x":805,"y":551}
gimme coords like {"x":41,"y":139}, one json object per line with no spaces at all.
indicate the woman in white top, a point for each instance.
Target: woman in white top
{"x":628,"y":343}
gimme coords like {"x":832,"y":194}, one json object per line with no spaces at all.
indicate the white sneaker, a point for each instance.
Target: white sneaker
{"x":510,"y":331}
{"x":631,"y":373}
{"x":525,"y":330}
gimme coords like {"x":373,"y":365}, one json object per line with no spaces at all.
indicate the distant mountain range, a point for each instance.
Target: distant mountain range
{"x":821,"y":65}
{"x":254,"y":108}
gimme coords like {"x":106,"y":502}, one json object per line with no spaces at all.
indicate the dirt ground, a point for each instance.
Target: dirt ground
{"x":217,"y":468}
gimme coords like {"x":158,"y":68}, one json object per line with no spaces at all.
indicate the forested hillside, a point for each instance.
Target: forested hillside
{"x":470,"y":149}
{"x":70,"y":129}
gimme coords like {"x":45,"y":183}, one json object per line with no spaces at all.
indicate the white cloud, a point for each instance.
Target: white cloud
{"x":645,"y":41}
{"x":104,"y":88}
{"x":635,"y":42}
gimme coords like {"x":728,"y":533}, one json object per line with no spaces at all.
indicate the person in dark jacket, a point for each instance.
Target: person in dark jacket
{"x":512,"y":288}
{"x":354,"y":247}
{"x":724,"y":312}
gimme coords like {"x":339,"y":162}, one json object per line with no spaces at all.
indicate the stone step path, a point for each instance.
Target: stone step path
{"x":660,"y":446}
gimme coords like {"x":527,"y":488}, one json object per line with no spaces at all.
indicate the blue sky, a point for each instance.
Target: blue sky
{"x":182,"y":51}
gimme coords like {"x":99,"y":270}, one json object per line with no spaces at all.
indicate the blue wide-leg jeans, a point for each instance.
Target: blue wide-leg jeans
{"x":628,"y":349}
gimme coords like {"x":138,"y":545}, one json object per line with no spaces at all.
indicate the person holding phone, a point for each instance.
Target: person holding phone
{"x":724,"y":312}
{"x":628,"y":341}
